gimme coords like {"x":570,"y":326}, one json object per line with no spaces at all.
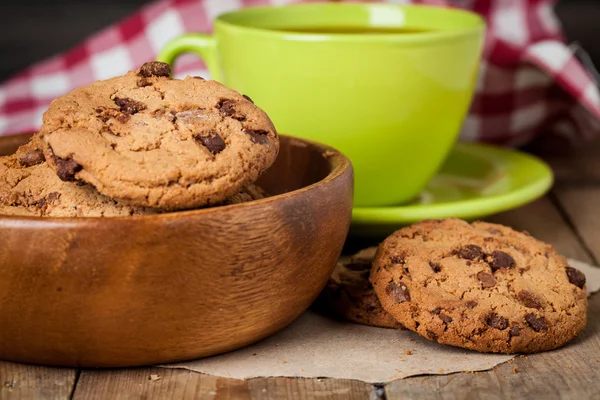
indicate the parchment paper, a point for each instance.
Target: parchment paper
{"x":316,"y":346}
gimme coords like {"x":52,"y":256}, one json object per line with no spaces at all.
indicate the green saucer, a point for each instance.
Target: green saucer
{"x":475,"y":181}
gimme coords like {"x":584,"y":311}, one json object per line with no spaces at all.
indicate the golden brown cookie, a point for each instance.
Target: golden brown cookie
{"x":479,"y":286}
{"x":29,"y":187}
{"x":350,"y":296}
{"x":153,"y":141}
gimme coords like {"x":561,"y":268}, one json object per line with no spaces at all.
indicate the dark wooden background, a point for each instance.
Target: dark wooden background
{"x":31,"y":30}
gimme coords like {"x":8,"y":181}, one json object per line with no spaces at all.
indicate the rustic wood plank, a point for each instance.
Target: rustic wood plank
{"x":309,"y":389}
{"x":21,"y":381}
{"x":542,"y":219}
{"x":164,"y":383}
{"x":582,"y":206}
{"x":572,"y":372}
{"x":148,"y":383}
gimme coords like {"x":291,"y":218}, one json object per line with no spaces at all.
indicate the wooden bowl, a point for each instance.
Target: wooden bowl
{"x":114,"y":292}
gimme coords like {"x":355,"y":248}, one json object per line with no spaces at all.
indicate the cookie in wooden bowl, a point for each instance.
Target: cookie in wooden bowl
{"x":152,"y":141}
{"x":159,"y":288}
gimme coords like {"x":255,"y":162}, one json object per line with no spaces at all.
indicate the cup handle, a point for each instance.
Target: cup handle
{"x":202,"y":45}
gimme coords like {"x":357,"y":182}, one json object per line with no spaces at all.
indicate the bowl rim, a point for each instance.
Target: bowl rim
{"x":337,"y":161}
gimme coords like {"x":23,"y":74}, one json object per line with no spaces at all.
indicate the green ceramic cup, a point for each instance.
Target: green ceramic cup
{"x":392,"y":102}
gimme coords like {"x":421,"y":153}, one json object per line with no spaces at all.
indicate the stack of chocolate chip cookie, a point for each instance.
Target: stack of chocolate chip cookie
{"x":140,"y":143}
{"x":478,"y":286}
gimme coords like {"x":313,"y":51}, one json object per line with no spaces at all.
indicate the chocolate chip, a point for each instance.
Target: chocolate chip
{"x":432,"y":335}
{"x":33,"y":157}
{"x":41,"y":203}
{"x":199,"y":77}
{"x":470,"y":252}
{"x":487,"y":280}
{"x":155,"y":68}
{"x":212,"y":141}
{"x":107,"y":113}
{"x":397,"y":260}
{"x":576,"y":277}
{"x":227,"y":107}
{"x":471,"y":304}
{"x":529,"y":300}
{"x":469,"y":263}
{"x":488,"y":239}
{"x":398,"y":291}
{"x":53,"y":196}
{"x":514,"y":331}
{"x":143,"y":82}
{"x":536,"y":323}
{"x":67,"y":168}
{"x":129,"y":106}
{"x":358,"y":266}
{"x":435,"y":266}
{"x":257,"y":136}
{"x":248,"y":98}
{"x":494,"y":231}
{"x":496,"y":321}
{"x":446,"y":318}
{"x":500,"y":259}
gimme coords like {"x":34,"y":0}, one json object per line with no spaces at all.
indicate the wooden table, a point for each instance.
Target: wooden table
{"x":568,"y":218}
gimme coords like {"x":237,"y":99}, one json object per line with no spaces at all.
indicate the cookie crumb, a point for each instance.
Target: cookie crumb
{"x":516,"y":370}
{"x":329,"y":154}
{"x":154,"y":377}
{"x":408,"y":352}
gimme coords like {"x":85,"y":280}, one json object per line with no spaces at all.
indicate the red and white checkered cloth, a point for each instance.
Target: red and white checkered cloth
{"x":531,"y":82}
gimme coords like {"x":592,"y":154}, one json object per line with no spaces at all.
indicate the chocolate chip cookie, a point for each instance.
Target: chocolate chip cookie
{"x":29,"y":187}
{"x":152,"y":141}
{"x":479,"y":286}
{"x":350,"y":296}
